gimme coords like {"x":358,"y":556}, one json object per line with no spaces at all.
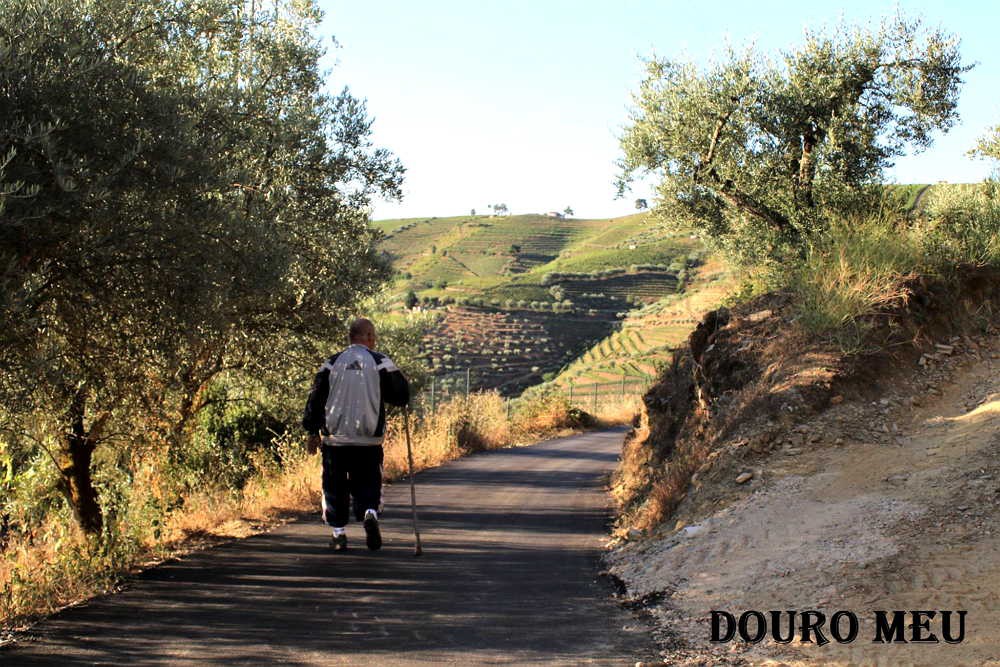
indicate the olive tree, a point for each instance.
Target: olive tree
{"x":758,"y":153}
{"x":179,"y":198}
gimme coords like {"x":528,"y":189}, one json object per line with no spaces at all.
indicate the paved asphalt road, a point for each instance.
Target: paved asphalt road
{"x":508,"y":576}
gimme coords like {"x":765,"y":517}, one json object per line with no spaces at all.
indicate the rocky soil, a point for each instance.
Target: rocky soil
{"x":881,"y":494}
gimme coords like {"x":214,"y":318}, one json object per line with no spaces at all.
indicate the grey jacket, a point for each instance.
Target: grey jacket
{"x":348,"y":397}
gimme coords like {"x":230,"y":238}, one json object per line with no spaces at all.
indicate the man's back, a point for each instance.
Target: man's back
{"x":348,"y":399}
{"x":354,"y":401}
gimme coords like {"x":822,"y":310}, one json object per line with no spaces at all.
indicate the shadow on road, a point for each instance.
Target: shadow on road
{"x":512,"y":545}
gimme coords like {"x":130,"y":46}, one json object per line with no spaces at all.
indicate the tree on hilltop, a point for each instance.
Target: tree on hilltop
{"x":761,"y":153}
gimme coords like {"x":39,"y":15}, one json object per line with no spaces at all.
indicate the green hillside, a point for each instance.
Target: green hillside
{"x":526,"y":299}
{"x":644,"y":341}
{"x":517,"y":299}
{"x":500,"y":258}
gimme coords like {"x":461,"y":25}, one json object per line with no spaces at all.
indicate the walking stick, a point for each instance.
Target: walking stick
{"x":418,"y":550}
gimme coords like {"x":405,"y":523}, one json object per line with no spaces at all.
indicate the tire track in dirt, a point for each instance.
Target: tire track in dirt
{"x":919,"y":199}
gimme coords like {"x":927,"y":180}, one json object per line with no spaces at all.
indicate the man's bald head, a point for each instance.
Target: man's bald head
{"x":362,"y":332}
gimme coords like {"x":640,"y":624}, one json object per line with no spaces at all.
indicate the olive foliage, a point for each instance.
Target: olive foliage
{"x":988,"y":146}
{"x":179,"y":198}
{"x":758,"y":153}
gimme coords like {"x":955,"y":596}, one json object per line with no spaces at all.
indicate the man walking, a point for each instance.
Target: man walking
{"x":345,"y":413}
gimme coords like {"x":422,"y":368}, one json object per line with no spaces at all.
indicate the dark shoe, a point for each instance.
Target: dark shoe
{"x":373,"y":536}
{"x":339,"y":542}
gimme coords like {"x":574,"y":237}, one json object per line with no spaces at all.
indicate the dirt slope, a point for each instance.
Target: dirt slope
{"x":889,"y":500}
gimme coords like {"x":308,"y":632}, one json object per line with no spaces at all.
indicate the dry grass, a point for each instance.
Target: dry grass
{"x":51,"y":569}
{"x":458,"y":427}
{"x":619,"y":412}
{"x":862,"y":268}
{"x":661,"y":485}
{"x":274,"y":494}
{"x":635,"y":469}
{"x":858,"y":271}
{"x":56,"y":565}
{"x":670,"y":488}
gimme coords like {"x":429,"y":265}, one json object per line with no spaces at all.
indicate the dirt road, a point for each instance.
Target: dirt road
{"x":509,"y":576}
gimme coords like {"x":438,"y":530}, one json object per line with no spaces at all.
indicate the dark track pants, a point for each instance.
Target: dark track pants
{"x":351,"y":471}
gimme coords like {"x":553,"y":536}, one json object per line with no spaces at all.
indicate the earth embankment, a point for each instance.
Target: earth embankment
{"x":827,"y":483}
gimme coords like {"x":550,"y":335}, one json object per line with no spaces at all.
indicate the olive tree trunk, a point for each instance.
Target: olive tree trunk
{"x":75,"y":461}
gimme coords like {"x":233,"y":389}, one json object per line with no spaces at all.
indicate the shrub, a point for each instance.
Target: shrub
{"x":965,"y":224}
{"x":548,"y":410}
{"x":231,"y":434}
{"x":855,"y":270}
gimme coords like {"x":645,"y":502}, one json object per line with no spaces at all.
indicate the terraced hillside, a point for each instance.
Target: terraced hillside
{"x":519,"y":298}
{"x":506,"y":350}
{"x":501,"y":258}
{"x":644,"y":341}
{"x":450,"y":249}
{"x":610,"y":292}
{"x":529,"y":298}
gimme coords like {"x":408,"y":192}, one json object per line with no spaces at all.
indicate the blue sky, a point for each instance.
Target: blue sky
{"x":522,"y":102}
